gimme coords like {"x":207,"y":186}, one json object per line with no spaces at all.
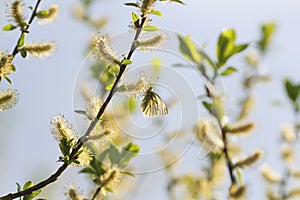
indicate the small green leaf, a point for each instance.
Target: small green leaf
{"x":21,"y":40}
{"x":109,"y":87}
{"x":23,"y":53}
{"x":176,"y":1}
{"x":27,"y":185}
{"x":128,"y":173}
{"x":19,"y":187}
{"x":9,"y":27}
{"x":239,"y":176}
{"x":8,"y":80}
{"x":239,"y":48}
{"x":126,"y":62}
{"x":114,"y":155}
{"x":13,"y":68}
{"x":150,"y":28}
{"x":292,"y":90}
{"x":208,"y":106}
{"x":188,"y":49}
{"x":134,"y":17}
{"x":267,"y":32}
{"x":81,"y":112}
{"x":156,"y":12}
{"x":225,"y":46}
{"x":132,"y":4}
{"x":228,"y":71}
{"x":128,"y":152}
{"x":43,"y":13}
{"x":132,"y":105}
{"x":87,"y":170}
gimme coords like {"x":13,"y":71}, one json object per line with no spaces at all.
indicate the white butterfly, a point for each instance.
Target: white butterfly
{"x":152,"y":105}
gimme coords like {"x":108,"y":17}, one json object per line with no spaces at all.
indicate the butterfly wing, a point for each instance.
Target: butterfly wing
{"x":152,"y":105}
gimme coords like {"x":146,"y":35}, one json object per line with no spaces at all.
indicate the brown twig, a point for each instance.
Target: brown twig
{"x":25,"y":30}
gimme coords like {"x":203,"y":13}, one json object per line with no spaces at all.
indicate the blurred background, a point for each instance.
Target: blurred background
{"x":28,"y":150}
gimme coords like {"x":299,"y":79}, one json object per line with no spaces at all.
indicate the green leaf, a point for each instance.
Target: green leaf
{"x":132,"y":105}
{"x":32,"y":195}
{"x":188,"y":49}
{"x":208,"y":106}
{"x":156,"y":12}
{"x":239,"y":48}
{"x":42,"y":13}
{"x":228,"y":71}
{"x":81,"y":112}
{"x":150,"y":28}
{"x":87,"y":170}
{"x":21,"y":40}
{"x":13,"y":68}
{"x":109,"y":87}
{"x":9,"y":27}
{"x":23,"y":53}
{"x":19,"y":187}
{"x":8,"y":79}
{"x":292,"y":90}
{"x":267,"y":32}
{"x":132,"y":4}
{"x":225,"y":46}
{"x":239,"y":176}
{"x":128,"y":152}
{"x":126,"y":62}
{"x":176,"y":1}
{"x":114,"y":155}
{"x":134,"y":17}
{"x":27,"y":185}
{"x":128,"y":173}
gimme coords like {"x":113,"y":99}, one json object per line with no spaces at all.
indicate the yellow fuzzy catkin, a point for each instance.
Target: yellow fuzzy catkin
{"x":41,"y":51}
{"x":288,"y":133}
{"x":295,"y":174}
{"x":293,"y":193}
{"x":16,"y":12}
{"x":241,"y":129}
{"x":49,"y":15}
{"x":8,"y":99}
{"x":72,"y":194}
{"x":269,"y":174}
{"x":147,"y":6}
{"x":249,"y":160}
{"x":287,"y":154}
{"x":111,"y":177}
{"x":237,"y":192}
{"x":102,"y":49}
{"x":150,"y":42}
{"x":6,"y":65}
{"x":248,"y":105}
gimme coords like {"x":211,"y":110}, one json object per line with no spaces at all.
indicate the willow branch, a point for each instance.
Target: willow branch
{"x":60,"y":170}
{"x":26,"y":29}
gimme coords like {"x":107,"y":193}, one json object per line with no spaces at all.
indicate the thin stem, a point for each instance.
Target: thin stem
{"x":227,"y":157}
{"x":25,"y":30}
{"x":60,"y":170}
{"x":96,"y":193}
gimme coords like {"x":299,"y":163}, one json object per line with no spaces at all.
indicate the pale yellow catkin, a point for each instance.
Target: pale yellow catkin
{"x":41,"y":51}
{"x":150,"y":42}
{"x":16,"y":12}
{"x":147,"y":6}
{"x":237,"y":192}
{"x":247,"y":107}
{"x":249,"y":160}
{"x":241,"y":129}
